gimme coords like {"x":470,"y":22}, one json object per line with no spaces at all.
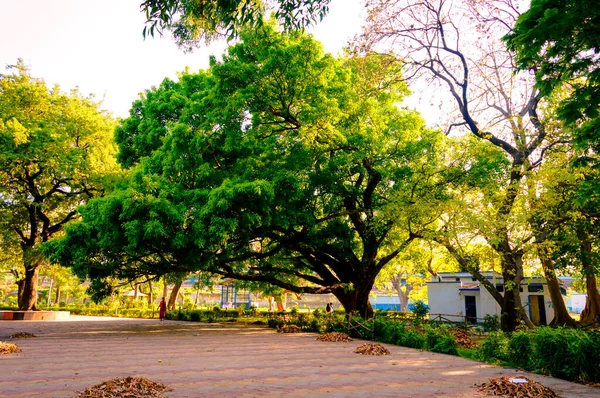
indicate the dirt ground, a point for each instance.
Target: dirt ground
{"x":224,"y":360}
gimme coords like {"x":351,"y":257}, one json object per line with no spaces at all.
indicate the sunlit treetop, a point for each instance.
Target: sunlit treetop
{"x":196,"y":21}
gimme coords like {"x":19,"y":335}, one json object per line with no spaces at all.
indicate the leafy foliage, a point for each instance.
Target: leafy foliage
{"x":559,"y":40}
{"x":194,"y":20}
{"x":279,"y":164}
{"x":566,"y":353}
{"x":57,"y":152}
{"x":494,"y":347}
{"x":420,"y":310}
{"x":491,"y":322}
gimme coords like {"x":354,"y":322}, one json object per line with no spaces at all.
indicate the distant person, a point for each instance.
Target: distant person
{"x":329,"y":309}
{"x":162,"y":313}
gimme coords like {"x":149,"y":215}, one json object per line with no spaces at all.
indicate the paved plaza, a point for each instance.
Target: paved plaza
{"x":226,"y":360}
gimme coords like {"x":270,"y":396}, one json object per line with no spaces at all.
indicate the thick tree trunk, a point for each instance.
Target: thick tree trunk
{"x":356,"y":300}
{"x":512,"y":311}
{"x":592,"y":302}
{"x":57,"y":298}
{"x":20,"y":289}
{"x":28,"y":300}
{"x":561,"y":313}
{"x":173,"y":296}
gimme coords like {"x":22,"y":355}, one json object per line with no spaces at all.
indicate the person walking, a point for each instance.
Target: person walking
{"x":162,"y":313}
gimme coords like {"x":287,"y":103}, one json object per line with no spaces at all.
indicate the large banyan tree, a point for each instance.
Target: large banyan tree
{"x":278,"y":164}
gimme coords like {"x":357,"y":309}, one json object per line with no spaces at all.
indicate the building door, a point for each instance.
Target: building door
{"x":537,"y":310}
{"x":470,"y":309}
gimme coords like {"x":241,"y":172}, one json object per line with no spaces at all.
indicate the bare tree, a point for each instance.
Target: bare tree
{"x":456,"y":45}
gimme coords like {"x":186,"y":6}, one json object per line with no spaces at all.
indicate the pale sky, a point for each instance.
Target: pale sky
{"x":98,"y":45}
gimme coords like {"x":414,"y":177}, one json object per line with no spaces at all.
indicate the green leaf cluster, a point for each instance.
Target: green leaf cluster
{"x":278,"y":164}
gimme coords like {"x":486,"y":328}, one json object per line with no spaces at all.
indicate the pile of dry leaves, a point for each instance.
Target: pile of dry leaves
{"x":8,"y":348}
{"x":516,"y":387}
{"x":22,"y":335}
{"x":334,"y":336}
{"x":130,"y":387}
{"x":372,"y":349}
{"x":463,"y":338}
{"x":289,"y":329}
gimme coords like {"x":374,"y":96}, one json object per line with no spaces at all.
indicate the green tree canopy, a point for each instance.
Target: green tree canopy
{"x":560,"y":41}
{"x":191,"y":21}
{"x":282,"y":165}
{"x":57,"y":150}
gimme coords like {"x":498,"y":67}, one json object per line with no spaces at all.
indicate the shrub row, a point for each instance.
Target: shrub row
{"x":210,"y":316}
{"x":566,"y":353}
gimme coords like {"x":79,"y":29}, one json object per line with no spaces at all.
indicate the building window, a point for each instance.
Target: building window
{"x":535,"y":288}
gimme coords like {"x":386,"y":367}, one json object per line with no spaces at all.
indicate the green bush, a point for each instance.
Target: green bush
{"x":519,"y":349}
{"x":439,"y":339}
{"x":314,"y":326}
{"x":420,"y":310}
{"x":195,"y":316}
{"x":491,"y":323}
{"x":413,"y":339}
{"x":388,"y":331}
{"x":275,"y":323}
{"x":494,"y":347}
{"x":567,"y":353}
{"x":585,"y":353}
{"x":551,"y":349}
{"x":446,"y":345}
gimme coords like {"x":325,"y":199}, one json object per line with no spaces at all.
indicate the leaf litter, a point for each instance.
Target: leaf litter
{"x":337,"y":337}
{"x":22,"y":335}
{"x":463,"y":338}
{"x":516,"y":387}
{"x":289,"y":329}
{"x":372,"y":349}
{"x":8,"y":348}
{"x":126,"y":387}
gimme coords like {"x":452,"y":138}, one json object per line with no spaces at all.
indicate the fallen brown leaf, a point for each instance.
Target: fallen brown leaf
{"x":334,"y":336}
{"x":289,"y":329}
{"x":463,"y":338}
{"x":130,"y":387}
{"x":507,"y":387}
{"x":8,"y":348}
{"x":372,"y":349}
{"x":22,"y":335}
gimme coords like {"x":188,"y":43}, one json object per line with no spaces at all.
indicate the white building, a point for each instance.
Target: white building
{"x":458,"y":296}
{"x":577,"y":302}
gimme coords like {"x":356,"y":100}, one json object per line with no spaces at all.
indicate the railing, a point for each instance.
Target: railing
{"x":361,"y":326}
{"x":443,"y":318}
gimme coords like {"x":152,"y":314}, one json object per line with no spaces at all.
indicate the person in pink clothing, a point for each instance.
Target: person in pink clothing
{"x":162,"y":309}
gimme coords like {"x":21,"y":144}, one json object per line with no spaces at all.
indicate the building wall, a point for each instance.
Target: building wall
{"x":446,"y":299}
{"x":577,"y":302}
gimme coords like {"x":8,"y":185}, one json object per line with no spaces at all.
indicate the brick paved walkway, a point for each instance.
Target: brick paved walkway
{"x":224,"y":360}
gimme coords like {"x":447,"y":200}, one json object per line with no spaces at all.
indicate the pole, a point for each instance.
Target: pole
{"x":49,"y":293}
